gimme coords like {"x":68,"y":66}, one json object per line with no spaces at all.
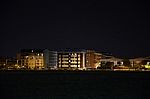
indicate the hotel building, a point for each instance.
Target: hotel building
{"x":71,"y":59}
{"x":31,"y":58}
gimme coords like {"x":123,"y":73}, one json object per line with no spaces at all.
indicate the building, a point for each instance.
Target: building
{"x":71,"y":59}
{"x":31,"y":58}
{"x":138,"y":62}
{"x":109,"y":58}
{"x":92,"y":59}
{"x":8,"y":63}
{"x":50,"y":59}
{"x":12,"y":63}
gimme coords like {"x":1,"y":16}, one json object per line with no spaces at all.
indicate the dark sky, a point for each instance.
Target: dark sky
{"x":116,"y":26}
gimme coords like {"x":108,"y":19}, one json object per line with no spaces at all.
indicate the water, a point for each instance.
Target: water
{"x":74,"y":85}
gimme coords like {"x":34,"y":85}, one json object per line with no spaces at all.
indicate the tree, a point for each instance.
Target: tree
{"x":143,"y":62}
{"x":126,"y":62}
{"x":107,"y":65}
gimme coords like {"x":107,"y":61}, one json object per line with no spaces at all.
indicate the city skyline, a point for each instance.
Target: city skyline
{"x":45,"y":59}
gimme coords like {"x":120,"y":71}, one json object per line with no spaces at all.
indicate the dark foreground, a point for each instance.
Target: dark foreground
{"x":74,"y":85}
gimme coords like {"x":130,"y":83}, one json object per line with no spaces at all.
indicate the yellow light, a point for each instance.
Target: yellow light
{"x":147,"y":66}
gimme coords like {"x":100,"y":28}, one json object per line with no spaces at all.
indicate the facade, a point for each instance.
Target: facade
{"x":92,"y":59}
{"x":50,"y":59}
{"x":31,"y":58}
{"x":71,"y":60}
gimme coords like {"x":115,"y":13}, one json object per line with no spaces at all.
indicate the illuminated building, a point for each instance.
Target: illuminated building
{"x":139,"y":61}
{"x":50,"y":59}
{"x":110,"y":58}
{"x":8,"y":62}
{"x":71,"y":59}
{"x":92,"y":59}
{"x":31,"y":58}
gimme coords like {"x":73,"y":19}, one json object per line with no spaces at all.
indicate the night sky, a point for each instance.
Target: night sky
{"x":116,"y":26}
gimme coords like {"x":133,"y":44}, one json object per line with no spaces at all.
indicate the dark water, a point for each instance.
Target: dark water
{"x":74,"y":85}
